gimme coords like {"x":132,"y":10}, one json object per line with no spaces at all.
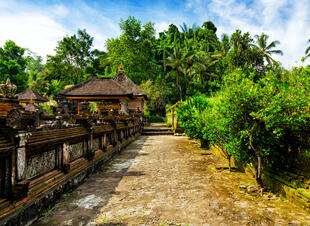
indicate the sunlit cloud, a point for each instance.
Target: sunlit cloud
{"x":31,"y":29}
{"x":283,"y":20}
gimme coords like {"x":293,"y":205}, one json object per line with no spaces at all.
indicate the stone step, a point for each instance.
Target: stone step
{"x":156,"y":129}
{"x":156,"y":133}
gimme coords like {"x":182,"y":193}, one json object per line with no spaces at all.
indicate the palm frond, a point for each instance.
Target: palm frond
{"x":273,"y":44}
{"x":184,"y":27}
{"x":279,"y":52}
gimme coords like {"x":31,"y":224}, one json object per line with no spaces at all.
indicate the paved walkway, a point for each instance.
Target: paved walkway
{"x":169,"y":180}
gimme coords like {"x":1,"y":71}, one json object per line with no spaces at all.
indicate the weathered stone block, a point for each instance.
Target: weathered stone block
{"x":76,"y":151}
{"x":21,"y":162}
{"x":96,"y":144}
{"x":41,"y":163}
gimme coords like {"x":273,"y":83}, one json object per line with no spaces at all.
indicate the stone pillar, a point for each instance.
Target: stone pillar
{"x":66,"y":157}
{"x":90,"y":149}
{"x":19,"y":180}
{"x":115,"y":137}
{"x":21,"y":162}
{"x":121,"y":135}
{"x":59,"y":158}
{"x":104,"y":142}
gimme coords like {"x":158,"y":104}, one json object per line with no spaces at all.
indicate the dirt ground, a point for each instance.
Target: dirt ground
{"x":169,"y":180}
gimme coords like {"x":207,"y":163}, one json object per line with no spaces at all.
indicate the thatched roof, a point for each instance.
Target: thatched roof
{"x":125,"y":81}
{"x":31,"y":95}
{"x":32,"y":107}
{"x":97,"y":87}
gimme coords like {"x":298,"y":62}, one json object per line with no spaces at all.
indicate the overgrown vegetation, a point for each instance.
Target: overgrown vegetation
{"x":235,"y":94}
{"x":256,"y":118}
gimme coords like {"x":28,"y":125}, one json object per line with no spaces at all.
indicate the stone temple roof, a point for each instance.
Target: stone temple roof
{"x":31,"y":95}
{"x":97,"y":87}
{"x":32,"y":107}
{"x":125,"y":81}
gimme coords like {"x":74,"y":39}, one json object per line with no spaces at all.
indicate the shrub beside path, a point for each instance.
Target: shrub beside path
{"x":169,"y":180}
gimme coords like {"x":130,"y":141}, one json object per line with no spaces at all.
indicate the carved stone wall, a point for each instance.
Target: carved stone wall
{"x":40,"y":147}
{"x":41,"y":163}
{"x":76,"y":151}
{"x":96,"y":143}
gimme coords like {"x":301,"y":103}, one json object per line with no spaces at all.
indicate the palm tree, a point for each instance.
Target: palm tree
{"x":201,"y":65}
{"x":175,"y":61}
{"x":266,"y":50}
{"x":188,"y":55}
{"x":186,"y":28}
{"x":223,"y":50}
{"x":189,"y":31}
{"x":308,"y":51}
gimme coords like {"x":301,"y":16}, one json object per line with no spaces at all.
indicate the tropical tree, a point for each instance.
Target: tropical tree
{"x":34,"y":68}
{"x":13,"y":64}
{"x":201,"y":65}
{"x":243,"y":54}
{"x":222,"y":52}
{"x":209,"y":25}
{"x":267,"y":49}
{"x":73,"y":56}
{"x":175,"y":60}
{"x":134,"y":49}
{"x":188,"y":31}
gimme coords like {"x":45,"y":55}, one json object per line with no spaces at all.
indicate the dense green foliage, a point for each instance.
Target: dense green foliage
{"x":256,"y":119}
{"x":133,"y":49}
{"x":233,"y":93}
{"x":13,"y":64}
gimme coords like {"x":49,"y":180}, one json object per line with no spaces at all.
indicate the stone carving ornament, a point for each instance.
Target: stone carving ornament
{"x":124,"y":107}
{"x":13,"y":119}
{"x":8,"y":90}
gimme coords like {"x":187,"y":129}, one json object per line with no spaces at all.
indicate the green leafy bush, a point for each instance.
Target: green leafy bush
{"x":258,"y":119}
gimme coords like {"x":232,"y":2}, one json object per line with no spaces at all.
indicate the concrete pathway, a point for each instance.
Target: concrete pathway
{"x":169,"y":180}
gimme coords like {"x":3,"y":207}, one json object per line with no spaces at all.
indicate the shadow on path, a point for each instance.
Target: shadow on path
{"x":84,"y":203}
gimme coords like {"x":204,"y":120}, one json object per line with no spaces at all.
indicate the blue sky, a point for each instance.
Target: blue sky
{"x":38,"y":25}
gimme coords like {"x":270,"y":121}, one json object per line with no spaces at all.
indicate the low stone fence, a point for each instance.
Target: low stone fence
{"x":293,"y":183}
{"x":43,"y":156}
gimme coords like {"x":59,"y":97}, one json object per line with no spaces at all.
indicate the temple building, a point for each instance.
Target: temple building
{"x":137,"y":104}
{"x":118,"y":94}
{"x":31,"y":96}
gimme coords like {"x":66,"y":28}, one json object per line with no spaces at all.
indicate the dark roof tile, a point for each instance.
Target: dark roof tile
{"x":97,"y":87}
{"x":125,"y":81}
{"x":31,"y":95}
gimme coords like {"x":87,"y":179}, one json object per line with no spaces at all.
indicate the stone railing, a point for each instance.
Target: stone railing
{"x":38,"y":152}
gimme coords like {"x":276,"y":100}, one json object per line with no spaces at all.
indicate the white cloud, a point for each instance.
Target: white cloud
{"x":282,"y":20}
{"x":161,"y":26}
{"x":60,"y":11}
{"x":40,"y":27}
{"x":30,"y":29}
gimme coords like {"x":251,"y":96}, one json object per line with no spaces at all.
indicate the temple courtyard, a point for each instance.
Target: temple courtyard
{"x":170,"y":180}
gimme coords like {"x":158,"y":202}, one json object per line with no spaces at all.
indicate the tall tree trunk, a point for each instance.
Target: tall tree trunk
{"x":258,"y":176}
{"x":178,"y":84}
{"x":258,"y":165}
